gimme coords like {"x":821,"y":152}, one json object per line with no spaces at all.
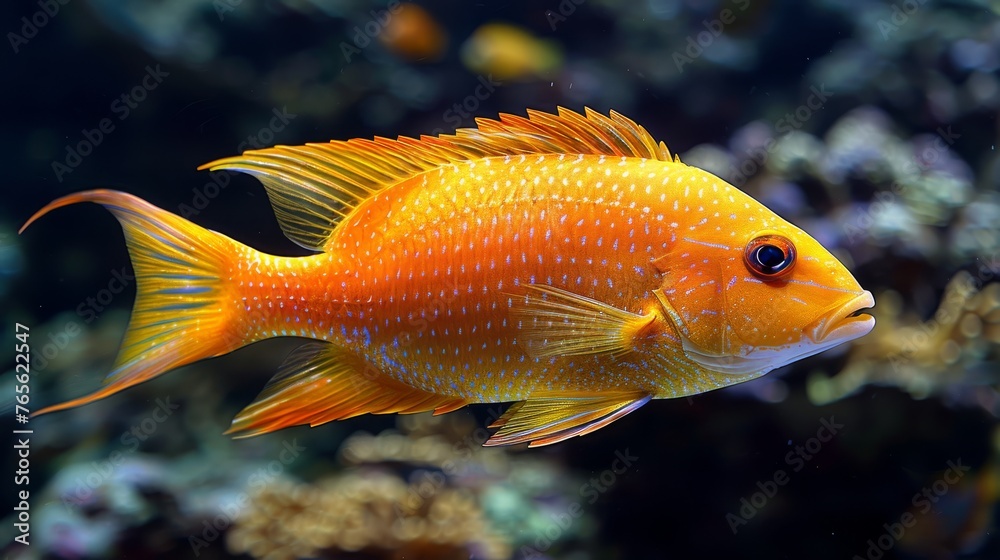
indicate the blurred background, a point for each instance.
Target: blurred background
{"x":871,"y":124}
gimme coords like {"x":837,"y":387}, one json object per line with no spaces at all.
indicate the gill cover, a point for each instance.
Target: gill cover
{"x":720,"y":300}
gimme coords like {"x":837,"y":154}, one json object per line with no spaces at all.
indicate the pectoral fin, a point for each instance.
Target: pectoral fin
{"x":545,"y":421}
{"x":557,"y":322}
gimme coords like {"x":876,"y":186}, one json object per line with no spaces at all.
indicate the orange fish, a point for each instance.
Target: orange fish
{"x":568,"y":262}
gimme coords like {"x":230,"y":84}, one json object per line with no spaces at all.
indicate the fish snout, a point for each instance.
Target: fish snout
{"x":847,"y":322}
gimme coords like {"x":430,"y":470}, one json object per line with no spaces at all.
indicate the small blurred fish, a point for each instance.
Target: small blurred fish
{"x":507,"y":52}
{"x":413,"y":33}
{"x":568,"y":262}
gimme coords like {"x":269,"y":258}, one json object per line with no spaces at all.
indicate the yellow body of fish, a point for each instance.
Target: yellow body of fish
{"x":566,"y":262}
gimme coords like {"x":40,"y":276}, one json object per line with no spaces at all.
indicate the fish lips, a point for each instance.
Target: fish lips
{"x":844,"y":323}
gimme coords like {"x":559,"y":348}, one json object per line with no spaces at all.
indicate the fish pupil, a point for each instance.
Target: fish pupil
{"x":770,"y":257}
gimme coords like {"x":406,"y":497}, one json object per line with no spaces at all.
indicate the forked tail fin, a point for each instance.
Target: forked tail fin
{"x":184,"y":310}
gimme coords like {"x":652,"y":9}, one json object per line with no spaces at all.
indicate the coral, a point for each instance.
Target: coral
{"x":426,"y":490}
{"x":931,"y":181}
{"x":977,"y":230}
{"x":858,"y":145}
{"x":374,"y":512}
{"x":451,"y":444}
{"x":88,"y":505}
{"x":949,"y":352}
{"x":795,"y":154}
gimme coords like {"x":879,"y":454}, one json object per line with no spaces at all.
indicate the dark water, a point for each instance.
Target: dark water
{"x":872,"y":125}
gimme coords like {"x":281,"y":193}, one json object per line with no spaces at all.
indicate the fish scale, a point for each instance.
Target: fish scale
{"x":567,"y":262}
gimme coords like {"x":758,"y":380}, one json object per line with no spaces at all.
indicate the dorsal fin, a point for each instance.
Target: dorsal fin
{"x":313,"y":187}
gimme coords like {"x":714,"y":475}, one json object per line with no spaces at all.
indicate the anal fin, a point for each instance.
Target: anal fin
{"x":320,"y":382}
{"x":548,"y":420}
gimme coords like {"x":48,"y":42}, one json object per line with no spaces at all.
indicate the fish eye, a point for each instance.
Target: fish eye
{"x":769,"y":257}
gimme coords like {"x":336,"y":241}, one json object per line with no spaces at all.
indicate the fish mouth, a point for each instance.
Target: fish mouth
{"x":844,"y":323}
{"x":847,"y":322}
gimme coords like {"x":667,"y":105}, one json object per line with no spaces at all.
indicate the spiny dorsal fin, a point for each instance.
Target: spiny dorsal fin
{"x":313,"y":187}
